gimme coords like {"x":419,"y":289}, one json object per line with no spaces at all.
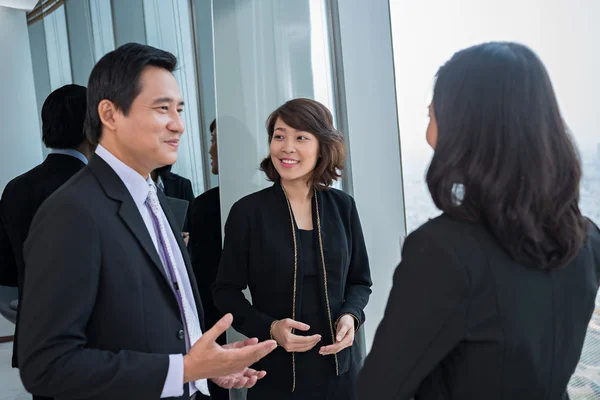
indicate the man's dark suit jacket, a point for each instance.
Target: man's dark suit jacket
{"x":8,"y":265}
{"x":100,"y":314}
{"x":205,"y":247}
{"x":465,"y":321}
{"x":21,"y":199}
{"x":181,"y":188}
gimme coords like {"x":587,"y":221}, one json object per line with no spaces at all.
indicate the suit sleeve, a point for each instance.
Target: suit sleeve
{"x":206,"y":245}
{"x":232,"y":278}
{"x":594,"y":233}
{"x":195,"y":230}
{"x":8,"y":264}
{"x":15,"y":219}
{"x":358,"y":284}
{"x":188,"y":194}
{"x":424,"y":320}
{"x":63,"y":258}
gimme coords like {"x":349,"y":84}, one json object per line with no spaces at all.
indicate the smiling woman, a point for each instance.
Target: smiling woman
{"x":303,"y":144}
{"x":306,"y":261}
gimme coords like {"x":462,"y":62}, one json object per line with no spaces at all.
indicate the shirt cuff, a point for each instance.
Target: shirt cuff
{"x":174,"y":383}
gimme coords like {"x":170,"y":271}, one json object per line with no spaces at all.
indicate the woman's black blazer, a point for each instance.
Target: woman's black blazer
{"x":259,"y":253}
{"x":465,"y":321}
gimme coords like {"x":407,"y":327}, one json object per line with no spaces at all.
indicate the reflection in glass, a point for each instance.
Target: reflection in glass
{"x":205,"y":247}
{"x":100,"y":19}
{"x":57,"y":45}
{"x":169,"y":27}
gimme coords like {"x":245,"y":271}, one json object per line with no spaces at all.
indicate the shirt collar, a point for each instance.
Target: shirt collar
{"x":72,"y":153}
{"x":137,"y":185}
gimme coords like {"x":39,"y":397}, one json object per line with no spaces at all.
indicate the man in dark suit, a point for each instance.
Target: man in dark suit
{"x":111,"y":306}
{"x":173,"y":185}
{"x":206,"y":246}
{"x":63,"y":114}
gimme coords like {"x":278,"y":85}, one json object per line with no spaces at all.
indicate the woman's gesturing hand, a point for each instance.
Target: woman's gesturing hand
{"x":281,"y":331}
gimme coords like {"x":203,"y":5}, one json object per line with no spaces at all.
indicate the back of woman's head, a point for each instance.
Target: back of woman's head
{"x":502,"y":141}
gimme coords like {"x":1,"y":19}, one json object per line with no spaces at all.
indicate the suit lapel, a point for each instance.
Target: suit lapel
{"x":129,"y":213}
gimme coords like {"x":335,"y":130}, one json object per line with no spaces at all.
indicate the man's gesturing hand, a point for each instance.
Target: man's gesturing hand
{"x":207,"y":359}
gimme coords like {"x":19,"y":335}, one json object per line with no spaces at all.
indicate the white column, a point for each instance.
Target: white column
{"x":21,"y":149}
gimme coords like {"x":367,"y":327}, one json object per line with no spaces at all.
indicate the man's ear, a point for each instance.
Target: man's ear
{"x":108,"y":114}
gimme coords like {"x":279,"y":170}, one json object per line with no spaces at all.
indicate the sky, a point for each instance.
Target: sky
{"x":562,"y":32}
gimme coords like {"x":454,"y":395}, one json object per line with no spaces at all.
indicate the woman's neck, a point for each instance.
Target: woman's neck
{"x":297,"y":190}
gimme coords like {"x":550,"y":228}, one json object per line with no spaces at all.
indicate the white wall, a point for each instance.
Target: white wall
{"x":20,"y":132}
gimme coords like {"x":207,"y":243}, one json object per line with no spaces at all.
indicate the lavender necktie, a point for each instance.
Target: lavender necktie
{"x":191,"y":321}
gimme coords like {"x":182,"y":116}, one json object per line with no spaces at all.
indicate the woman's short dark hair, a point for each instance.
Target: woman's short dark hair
{"x":311,"y":116}
{"x":502,"y":140}
{"x":63,"y":114}
{"x":213,"y":126}
{"x":116,"y":77}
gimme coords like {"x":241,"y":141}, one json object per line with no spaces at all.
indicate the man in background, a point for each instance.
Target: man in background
{"x":206,"y":246}
{"x":178,"y":187}
{"x":63,"y":114}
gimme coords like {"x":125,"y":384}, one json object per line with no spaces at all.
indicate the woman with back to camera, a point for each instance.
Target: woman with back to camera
{"x":298,"y":246}
{"x":492,"y":299}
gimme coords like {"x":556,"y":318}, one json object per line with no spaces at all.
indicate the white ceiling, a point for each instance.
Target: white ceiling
{"x":26,"y":5}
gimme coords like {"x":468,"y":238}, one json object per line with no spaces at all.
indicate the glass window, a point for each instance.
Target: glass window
{"x":169,"y":27}
{"x":427,"y":34}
